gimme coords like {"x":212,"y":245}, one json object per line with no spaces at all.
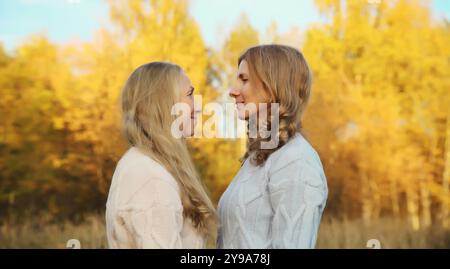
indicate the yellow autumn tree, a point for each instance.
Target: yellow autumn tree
{"x":142,"y":32}
{"x":380,"y":90}
{"x":35,"y":143}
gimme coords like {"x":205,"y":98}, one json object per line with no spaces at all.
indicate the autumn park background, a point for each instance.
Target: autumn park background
{"x":379,"y":117}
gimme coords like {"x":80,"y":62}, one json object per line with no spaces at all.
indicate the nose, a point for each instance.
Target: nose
{"x":233,"y":92}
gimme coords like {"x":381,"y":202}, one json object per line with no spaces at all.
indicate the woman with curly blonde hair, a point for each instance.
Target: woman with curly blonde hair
{"x":277,"y":198}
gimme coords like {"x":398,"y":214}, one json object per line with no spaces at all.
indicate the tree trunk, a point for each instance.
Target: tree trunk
{"x":412,"y":206}
{"x":427,"y":178}
{"x":367,"y":205}
{"x":376,"y":198}
{"x":394,"y":198}
{"x":446,"y":176}
{"x":425,"y":202}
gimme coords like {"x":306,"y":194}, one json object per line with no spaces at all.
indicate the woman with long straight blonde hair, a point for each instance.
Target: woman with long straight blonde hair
{"x":156,"y":199}
{"x":277,"y":198}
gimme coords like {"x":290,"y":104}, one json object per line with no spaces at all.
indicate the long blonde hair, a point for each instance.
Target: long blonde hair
{"x":147,"y":99}
{"x":286,"y":79}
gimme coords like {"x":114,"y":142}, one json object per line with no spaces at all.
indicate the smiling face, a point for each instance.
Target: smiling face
{"x":186,"y":95}
{"x":248,"y":90}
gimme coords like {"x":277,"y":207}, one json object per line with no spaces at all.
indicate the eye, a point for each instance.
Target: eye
{"x":191,"y":92}
{"x":244,"y":80}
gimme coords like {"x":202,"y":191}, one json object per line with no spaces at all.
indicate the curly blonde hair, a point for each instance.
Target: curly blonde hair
{"x":286,"y":78}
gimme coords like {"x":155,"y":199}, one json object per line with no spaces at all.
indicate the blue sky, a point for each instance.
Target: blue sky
{"x":70,"y":20}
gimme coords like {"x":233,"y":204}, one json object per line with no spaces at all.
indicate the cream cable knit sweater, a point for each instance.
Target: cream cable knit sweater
{"x":144,"y":207}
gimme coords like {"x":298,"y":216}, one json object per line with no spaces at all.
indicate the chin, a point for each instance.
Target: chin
{"x":242,"y":114}
{"x":242,"y":117}
{"x":245,"y":115}
{"x":187,"y":134}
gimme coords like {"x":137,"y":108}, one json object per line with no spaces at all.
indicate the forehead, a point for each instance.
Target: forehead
{"x":243,"y":67}
{"x":184,"y":78}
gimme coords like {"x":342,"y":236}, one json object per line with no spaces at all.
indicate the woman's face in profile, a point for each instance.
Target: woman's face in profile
{"x":187,"y":96}
{"x":248,"y":93}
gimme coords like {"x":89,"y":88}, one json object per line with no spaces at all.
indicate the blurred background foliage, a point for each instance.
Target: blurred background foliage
{"x":379,"y":117}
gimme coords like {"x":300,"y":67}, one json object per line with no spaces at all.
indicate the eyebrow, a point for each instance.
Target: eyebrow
{"x":192,"y":89}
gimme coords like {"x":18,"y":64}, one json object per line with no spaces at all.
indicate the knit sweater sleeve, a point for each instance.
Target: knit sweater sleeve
{"x":154,"y":215}
{"x":297,"y":196}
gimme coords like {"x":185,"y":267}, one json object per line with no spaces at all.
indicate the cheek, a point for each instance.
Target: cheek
{"x":189,"y":101}
{"x":255,"y":94}
{"x":246,"y":92}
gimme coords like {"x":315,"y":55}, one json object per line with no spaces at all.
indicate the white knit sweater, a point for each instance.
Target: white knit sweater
{"x":277,"y":205}
{"x":144,"y":207}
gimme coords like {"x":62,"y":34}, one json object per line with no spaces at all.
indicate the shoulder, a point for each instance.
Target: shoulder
{"x":144,"y":181}
{"x":297,"y":150}
{"x":296,"y":160}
